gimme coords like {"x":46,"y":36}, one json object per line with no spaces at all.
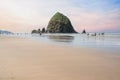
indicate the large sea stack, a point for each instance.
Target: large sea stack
{"x":60,"y":24}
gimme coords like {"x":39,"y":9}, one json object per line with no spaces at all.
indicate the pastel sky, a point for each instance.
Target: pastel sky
{"x":92,"y":15}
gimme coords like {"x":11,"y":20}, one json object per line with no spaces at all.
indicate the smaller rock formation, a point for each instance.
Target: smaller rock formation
{"x":84,"y":31}
{"x":43,"y":30}
{"x":102,"y":33}
{"x":36,"y":31}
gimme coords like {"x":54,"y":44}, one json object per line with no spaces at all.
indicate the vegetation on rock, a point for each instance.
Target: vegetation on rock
{"x":60,"y":24}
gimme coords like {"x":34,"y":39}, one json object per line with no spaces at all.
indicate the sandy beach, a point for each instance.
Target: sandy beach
{"x":27,"y":59}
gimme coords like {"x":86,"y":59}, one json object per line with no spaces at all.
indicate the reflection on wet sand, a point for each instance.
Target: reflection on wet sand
{"x":61,"y":38}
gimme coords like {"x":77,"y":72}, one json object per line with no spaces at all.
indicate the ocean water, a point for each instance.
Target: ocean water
{"x":110,"y":41}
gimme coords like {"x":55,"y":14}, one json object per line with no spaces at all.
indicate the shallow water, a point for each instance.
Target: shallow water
{"x":109,"y":41}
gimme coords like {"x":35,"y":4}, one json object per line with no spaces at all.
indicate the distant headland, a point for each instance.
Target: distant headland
{"x":5,"y":32}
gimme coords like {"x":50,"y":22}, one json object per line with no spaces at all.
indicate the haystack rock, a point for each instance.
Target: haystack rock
{"x":60,"y":24}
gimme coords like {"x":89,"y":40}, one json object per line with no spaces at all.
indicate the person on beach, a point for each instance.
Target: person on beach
{"x":40,"y":33}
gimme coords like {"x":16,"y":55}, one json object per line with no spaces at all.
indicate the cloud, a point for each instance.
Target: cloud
{"x":93,"y":15}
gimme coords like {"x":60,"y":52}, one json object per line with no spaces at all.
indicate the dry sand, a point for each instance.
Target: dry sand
{"x":25,"y":59}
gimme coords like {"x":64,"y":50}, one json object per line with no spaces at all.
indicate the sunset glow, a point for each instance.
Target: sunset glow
{"x":92,"y":15}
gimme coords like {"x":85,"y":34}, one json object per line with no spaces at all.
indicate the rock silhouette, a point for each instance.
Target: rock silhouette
{"x":60,"y":24}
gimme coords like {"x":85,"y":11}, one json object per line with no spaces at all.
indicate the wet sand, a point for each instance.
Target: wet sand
{"x":26,"y":59}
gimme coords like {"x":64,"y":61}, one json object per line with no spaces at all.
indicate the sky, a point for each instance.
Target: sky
{"x":92,"y":15}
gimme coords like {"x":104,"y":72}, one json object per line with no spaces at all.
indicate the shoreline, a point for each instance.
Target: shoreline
{"x":114,"y":49}
{"x":83,"y":41}
{"x":105,"y":49}
{"x":27,"y":59}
